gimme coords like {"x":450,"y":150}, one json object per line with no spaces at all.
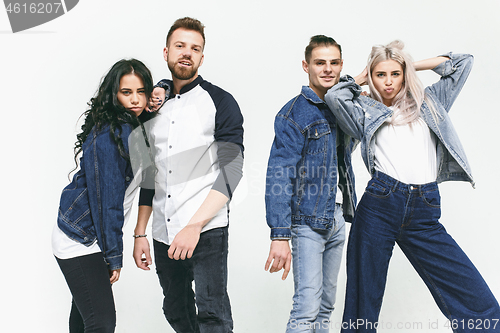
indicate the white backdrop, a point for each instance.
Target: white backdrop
{"x":254,"y":50}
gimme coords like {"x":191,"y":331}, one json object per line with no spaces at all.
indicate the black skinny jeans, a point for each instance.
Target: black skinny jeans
{"x":207,"y":309}
{"x":93,"y":306}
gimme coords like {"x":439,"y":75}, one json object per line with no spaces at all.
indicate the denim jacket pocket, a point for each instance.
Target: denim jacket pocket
{"x":317,"y":138}
{"x":74,"y":217}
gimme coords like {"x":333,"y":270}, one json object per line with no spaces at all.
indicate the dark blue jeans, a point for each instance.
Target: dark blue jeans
{"x":93,"y":306}
{"x":393,"y":212}
{"x":207,"y":309}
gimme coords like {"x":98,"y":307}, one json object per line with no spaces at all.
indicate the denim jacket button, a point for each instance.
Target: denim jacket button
{"x":127,"y":178}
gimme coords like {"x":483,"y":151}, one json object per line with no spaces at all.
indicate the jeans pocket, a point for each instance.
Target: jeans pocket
{"x":378,"y":189}
{"x":432,"y":199}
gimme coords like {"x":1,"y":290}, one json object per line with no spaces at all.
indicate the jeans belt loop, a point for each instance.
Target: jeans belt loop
{"x":395,"y":186}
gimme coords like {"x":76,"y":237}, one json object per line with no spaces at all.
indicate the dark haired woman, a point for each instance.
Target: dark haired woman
{"x":87,"y":240}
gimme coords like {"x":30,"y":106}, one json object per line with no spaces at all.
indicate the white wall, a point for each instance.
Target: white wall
{"x":254,"y":50}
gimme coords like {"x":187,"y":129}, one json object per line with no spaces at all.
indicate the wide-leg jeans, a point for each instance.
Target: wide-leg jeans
{"x":393,"y":212}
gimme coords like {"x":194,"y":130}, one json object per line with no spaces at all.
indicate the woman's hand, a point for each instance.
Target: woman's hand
{"x":156,"y":100}
{"x":114,"y":275}
{"x":362,"y":78}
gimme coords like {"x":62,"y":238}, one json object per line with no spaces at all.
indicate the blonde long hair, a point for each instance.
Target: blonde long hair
{"x":409,"y":99}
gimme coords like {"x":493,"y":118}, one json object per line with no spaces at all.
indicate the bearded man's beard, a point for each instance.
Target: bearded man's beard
{"x":182,"y":73}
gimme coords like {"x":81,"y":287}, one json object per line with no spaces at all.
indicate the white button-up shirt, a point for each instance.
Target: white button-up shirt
{"x":187,"y":157}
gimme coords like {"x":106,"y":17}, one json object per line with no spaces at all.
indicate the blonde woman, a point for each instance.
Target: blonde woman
{"x":409,"y":145}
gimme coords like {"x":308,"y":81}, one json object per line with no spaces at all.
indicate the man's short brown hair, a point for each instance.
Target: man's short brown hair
{"x":187,"y":23}
{"x":320,"y":40}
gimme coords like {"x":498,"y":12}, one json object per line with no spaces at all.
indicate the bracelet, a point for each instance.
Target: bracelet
{"x":137,"y":236}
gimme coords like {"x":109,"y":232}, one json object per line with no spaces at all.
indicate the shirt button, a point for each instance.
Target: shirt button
{"x":169,"y":171}
{"x":169,"y":146}
{"x":168,"y":196}
{"x":173,"y":122}
{"x":168,"y":220}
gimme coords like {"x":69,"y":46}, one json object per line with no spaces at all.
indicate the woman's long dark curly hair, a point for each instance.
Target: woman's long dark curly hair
{"x":106,"y":109}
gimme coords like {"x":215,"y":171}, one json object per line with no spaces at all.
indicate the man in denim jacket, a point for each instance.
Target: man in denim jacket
{"x":310,"y":160}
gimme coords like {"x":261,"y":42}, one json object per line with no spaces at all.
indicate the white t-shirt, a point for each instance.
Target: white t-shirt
{"x":406,"y":152}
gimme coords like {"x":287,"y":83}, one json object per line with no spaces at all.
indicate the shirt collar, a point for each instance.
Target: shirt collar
{"x":189,"y":86}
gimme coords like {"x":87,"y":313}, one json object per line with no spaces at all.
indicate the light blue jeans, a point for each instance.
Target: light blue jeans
{"x":316,"y":256}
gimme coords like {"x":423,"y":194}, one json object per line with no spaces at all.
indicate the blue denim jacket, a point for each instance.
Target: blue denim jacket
{"x":361,"y":116}
{"x":91,"y":205}
{"x":303,"y":168}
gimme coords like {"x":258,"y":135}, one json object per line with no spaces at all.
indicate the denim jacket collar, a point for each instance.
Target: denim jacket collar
{"x":310,"y":95}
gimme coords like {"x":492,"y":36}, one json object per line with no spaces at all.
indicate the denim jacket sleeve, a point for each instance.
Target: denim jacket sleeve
{"x":286,"y":152}
{"x":108,"y":175}
{"x":341,"y":100}
{"x":454,"y":73}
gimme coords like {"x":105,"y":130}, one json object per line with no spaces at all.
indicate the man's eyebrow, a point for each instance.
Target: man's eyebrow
{"x":320,"y":59}
{"x":184,"y":43}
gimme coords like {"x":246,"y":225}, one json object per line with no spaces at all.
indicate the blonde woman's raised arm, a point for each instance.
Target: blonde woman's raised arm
{"x":430,"y":63}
